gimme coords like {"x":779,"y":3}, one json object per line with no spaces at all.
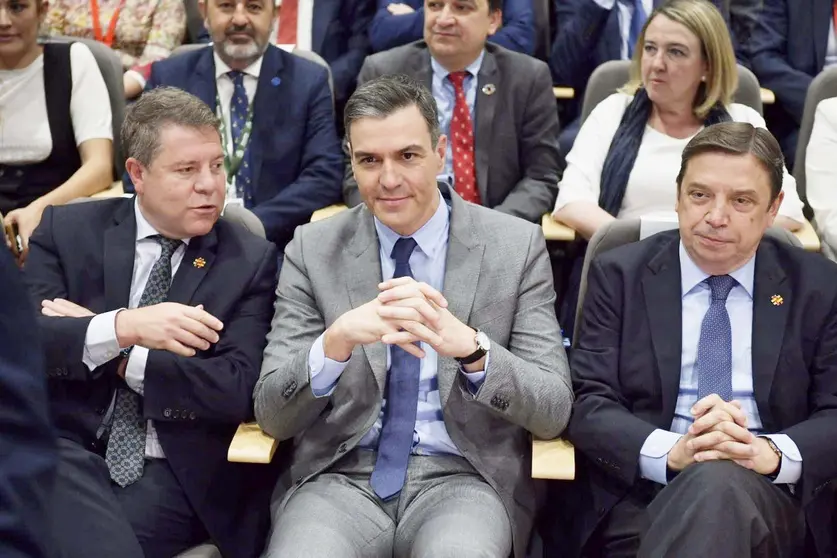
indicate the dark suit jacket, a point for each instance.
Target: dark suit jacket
{"x":85,"y":253}
{"x":518,"y":164}
{"x":626,"y":366}
{"x":389,"y":31}
{"x":339,"y":35}
{"x":788,"y":49}
{"x":27,"y":440}
{"x":294,"y":151}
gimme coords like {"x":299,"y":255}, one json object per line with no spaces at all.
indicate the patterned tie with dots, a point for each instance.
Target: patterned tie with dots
{"x":462,"y":143}
{"x":714,"y":357}
{"x":125,"y":454}
{"x":239,"y":105}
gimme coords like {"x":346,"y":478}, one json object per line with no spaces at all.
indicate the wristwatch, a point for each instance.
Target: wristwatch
{"x":772,"y":476}
{"x":483,"y":346}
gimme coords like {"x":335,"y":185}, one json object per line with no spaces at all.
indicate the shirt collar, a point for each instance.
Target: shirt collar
{"x":144,"y":228}
{"x":221,"y":67}
{"x":473,"y":68}
{"x":430,"y":238}
{"x":691,"y":275}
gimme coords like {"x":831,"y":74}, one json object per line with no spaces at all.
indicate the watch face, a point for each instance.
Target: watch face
{"x":483,"y":342}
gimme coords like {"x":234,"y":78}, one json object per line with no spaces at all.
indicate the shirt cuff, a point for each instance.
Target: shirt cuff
{"x":605,"y":4}
{"x":323,"y":371}
{"x":790,"y":469}
{"x":653,"y":456}
{"x":137,"y":76}
{"x":476,"y":379}
{"x":100,"y":342}
{"x":135,"y":369}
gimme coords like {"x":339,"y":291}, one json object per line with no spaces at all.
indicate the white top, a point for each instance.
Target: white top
{"x":25,"y":136}
{"x":101,"y":344}
{"x":626,"y":13}
{"x":652,"y":184}
{"x":304,"y":26}
{"x":821,"y":174}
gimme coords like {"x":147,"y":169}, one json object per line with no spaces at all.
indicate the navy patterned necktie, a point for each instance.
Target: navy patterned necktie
{"x":239,"y":106}
{"x":399,"y":423}
{"x":714,"y":356}
{"x":125,"y":455}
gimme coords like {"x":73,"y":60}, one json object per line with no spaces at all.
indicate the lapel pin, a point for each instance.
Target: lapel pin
{"x":199,"y":262}
{"x":489,"y":89}
{"x":275,"y":82}
{"x":777,"y":300}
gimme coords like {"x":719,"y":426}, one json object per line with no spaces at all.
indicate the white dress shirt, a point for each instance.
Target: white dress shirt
{"x":821,"y":174}
{"x":304,"y":26}
{"x":101,"y":344}
{"x":696,"y":299}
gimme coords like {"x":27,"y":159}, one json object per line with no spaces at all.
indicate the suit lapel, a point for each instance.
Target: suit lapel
{"x":485,"y":106}
{"x":198,"y":259}
{"x":203,"y":84}
{"x":821,"y":14}
{"x":363,"y":273}
{"x":419,"y":65}
{"x":270,"y":108}
{"x":120,"y":246}
{"x":661,"y":288}
{"x":769,"y":317}
{"x":462,"y":272}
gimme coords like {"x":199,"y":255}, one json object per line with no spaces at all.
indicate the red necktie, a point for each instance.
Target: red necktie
{"x":461,"y":139}
{"x":287,"y":23}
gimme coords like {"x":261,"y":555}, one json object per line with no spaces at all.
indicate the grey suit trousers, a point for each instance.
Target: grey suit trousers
{"x":446,"y":509}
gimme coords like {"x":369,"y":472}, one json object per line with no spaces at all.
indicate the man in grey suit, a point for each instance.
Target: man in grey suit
{"x":503,"y":143}
{"x":414,"y":348}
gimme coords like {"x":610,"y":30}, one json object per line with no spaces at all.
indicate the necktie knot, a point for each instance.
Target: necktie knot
{"x":721,"y":285}
{"x":236,"y":77}
{"x":168,"y":245}
{"x":402,"y":250}
{"x":457,"y":79}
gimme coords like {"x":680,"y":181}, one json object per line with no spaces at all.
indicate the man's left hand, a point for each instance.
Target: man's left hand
{"x":61,"y":308}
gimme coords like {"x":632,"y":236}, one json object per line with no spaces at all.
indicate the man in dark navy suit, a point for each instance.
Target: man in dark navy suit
{"x":154,"y":321}
{"x":27,"y":441}
{"x":283,"y":157}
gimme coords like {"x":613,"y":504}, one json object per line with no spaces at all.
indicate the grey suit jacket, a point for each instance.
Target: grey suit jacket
{"x":497,"y":279}
{"x":518,"y":163}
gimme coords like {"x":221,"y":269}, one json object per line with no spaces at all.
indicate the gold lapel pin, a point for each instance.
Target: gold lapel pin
{"x":199,"y":262}
{"x":777,"y":300}
{"x":489,"y":89}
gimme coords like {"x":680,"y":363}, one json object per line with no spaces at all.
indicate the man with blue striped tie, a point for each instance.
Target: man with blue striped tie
{"x":413,"y":351}
{"x":706,"y":374}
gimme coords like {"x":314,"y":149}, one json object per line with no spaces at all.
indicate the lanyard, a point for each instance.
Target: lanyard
{"x":232,"y":161}
{"x":97,"y":24}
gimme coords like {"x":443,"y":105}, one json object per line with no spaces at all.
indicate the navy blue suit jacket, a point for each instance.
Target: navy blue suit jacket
{"x":85,"y":253}
{"x":788,"y":49}
{"x":27,"y":442}
{"x":294,"y":152}
{"x":389,"y":31}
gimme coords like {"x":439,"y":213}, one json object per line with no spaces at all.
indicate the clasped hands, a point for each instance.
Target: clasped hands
{"x":720,"y":432}
{"x":405,"y":312}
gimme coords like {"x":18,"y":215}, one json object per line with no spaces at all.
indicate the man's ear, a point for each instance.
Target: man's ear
{"x":137,"y":172}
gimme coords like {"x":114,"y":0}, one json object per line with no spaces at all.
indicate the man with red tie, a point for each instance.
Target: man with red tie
{"x":495,"y":106}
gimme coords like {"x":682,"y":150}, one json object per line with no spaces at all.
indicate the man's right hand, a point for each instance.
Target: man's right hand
{"x":707,"y":431}
{"x":180,"y":329}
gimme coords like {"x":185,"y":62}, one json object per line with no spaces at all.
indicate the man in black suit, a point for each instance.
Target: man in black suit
{"x":706,"y":374}
{"x":154,"y":321}
{"x":27,"y":441}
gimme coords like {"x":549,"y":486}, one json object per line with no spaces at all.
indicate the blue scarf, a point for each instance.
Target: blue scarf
{"x":625,"y":145}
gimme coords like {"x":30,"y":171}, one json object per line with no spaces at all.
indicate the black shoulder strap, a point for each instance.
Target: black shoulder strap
{"x":58,"y":85}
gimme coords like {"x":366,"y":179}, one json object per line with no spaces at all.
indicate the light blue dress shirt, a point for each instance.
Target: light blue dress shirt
{"x":428,"y":265}
{"x":696,"y":298}
{"x":626,"y":13}
{"x":445,"y":96}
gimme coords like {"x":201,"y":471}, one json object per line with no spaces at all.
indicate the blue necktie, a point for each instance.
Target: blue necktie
{"x":396,"y":440}
{"x":714,"y":357}
{"x":239,"y":105}
{"x":637,"y":21}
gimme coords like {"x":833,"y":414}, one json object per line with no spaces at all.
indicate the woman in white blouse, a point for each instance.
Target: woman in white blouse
{"x":627,"y":154}
{"x":821,"y":174}
{"x":56,"y":142}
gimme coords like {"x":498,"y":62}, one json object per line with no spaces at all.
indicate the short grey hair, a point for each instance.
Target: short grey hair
{"x":385,"y":95}
{"x":738,"y":138}
{"x":156,"y":109}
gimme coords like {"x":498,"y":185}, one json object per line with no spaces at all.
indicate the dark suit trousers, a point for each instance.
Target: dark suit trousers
{"x":95,"y":518}
{"x":716,"y":509}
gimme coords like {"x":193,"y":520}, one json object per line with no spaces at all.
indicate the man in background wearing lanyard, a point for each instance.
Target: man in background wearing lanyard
{"x":282,"y":154}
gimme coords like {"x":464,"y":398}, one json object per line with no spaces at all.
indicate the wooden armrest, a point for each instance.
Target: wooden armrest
{"x":553,"y":230}
{"x":563,"y":92}
{"x":808,"y":237}
{"x":767,"y":96}
{"x":553,"y":459}
{"x":251,"y":445}
{"x":327,"y":212}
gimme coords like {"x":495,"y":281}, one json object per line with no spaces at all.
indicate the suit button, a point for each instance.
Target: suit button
{"x":94,"y":446}
{"x":167,"y":413}
{"x":342,"y":448}
{"x":495,"y":402}
{"x":192,"y":415}
{"x":175,"y":414}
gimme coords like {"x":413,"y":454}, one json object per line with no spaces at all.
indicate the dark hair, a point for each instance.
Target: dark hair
{"x":494,"y":5}
{"x":156,"y":109}
{"x":385,"y":95}
{"x":738,"y":138}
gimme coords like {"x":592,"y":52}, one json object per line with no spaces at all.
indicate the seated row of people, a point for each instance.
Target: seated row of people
{"x":412,"y":352}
